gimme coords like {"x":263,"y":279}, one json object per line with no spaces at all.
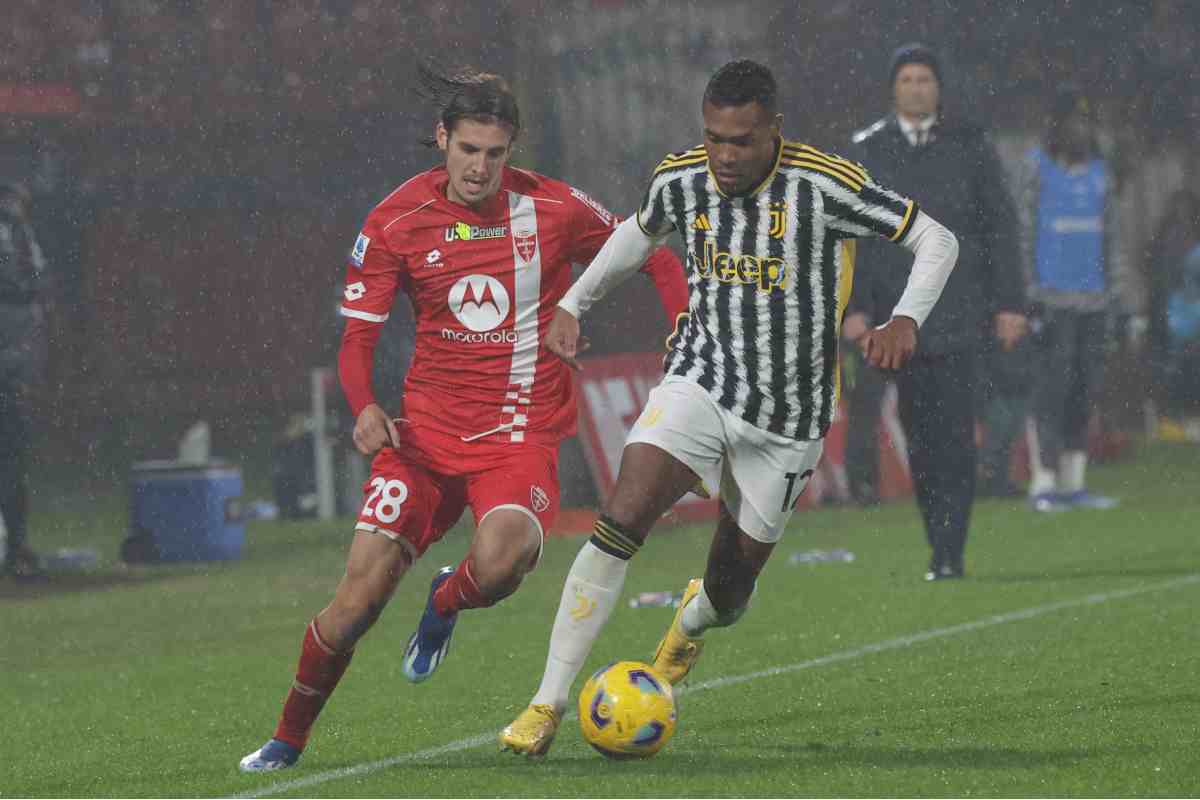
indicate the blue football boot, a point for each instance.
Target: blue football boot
{"x":271,"y":756}
{"x":427,"y":648}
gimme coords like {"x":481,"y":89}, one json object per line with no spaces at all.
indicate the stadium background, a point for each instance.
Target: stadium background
{"x":201,"y":166}
{"x":201,"y":169}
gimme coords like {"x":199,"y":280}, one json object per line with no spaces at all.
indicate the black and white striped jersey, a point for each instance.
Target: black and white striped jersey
{"x":769,"y":276}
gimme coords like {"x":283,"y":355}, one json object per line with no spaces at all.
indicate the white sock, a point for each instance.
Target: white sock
{"x":1042,"y":480}
{"x":1072,"y":466}
{"x":589,"y":596}
{"x":699,"y":614}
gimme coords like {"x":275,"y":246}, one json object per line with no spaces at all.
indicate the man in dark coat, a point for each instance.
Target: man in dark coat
{"x":951,"y":168}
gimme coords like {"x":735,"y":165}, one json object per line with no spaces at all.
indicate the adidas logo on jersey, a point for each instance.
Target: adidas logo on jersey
{"x":701,"y":223}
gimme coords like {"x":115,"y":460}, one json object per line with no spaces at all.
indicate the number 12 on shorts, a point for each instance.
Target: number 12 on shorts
{"x":792,"y":495}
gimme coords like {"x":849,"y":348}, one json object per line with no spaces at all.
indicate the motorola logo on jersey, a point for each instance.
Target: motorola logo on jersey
{"x":480,"y":302}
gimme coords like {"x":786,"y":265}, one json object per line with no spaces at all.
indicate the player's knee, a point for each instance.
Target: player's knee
{"x":501,"y":574}
{"x":502,"y":553}
{"x":348,"y":618}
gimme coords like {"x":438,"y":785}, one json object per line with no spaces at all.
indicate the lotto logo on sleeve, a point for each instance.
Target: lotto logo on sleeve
{"x":360,"y":249}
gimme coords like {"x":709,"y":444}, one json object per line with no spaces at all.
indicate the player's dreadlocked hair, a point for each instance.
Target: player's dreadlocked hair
{"x":741,"y":82}
{"x":467,"y":94}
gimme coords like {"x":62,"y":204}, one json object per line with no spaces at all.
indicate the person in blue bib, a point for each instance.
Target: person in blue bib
{"x":1067,"y":205}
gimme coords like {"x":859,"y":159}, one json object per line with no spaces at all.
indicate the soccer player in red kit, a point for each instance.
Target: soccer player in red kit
{"x":484,"y":252}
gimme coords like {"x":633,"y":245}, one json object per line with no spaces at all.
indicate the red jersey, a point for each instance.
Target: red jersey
{"x":484,"y":283}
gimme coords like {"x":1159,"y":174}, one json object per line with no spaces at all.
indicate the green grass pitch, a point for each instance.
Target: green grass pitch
{"x":1067,"y":664}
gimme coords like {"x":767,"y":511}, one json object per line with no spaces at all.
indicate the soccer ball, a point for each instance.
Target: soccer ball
{"x":627,"y":710}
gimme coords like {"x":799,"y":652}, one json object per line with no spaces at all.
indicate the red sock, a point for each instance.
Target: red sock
{"x":319,"y":671}
{"x":459,"y":592}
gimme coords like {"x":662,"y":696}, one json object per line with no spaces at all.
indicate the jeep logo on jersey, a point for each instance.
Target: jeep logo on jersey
{"x":767,"y":272}
{"x":526,"y":242}
{"x":360,"y":249}
{"x":462,"y":232}
{"x":479,"y":301}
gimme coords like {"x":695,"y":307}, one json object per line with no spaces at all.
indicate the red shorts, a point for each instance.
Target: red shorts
{"x":410,"y":502}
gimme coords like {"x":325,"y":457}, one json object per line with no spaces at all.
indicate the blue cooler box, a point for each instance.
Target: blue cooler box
{"x":190,"y":512}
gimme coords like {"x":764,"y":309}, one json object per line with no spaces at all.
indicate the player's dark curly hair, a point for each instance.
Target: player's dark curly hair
{"x":741,"y":82}
{"x":467,"y":94}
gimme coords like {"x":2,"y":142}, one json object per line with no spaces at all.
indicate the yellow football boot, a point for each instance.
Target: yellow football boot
{"x":532,"y":732}
{"x":677,"y":653}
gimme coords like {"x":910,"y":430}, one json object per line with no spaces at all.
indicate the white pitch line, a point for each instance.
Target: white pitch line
{"x":898,"y":643}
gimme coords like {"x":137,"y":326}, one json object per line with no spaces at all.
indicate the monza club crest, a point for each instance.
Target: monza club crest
{"x":538,"y":499}
{"x":526,"y":244}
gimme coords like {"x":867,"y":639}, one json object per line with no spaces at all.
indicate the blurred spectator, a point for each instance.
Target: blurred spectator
{"x":1183,"y":350}
{"x":1003,"y":405}
{"x":22,"y":362}
{"x":1072,"y":257}
{"x":30,"y":156}
{"x":232,"y":39}
{"x":23,"y":44}
{"x":158,"y":57}
{"x":1168,"y":251}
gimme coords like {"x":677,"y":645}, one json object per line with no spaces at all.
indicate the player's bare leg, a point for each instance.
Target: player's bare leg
{"x":650,"y":482}
{"x":373,"y":569}
{"x":504,"y":550}
{"x":734,"y":562}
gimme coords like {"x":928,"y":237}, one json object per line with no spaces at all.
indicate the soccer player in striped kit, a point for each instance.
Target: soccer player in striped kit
{"x":749,"y":393}
{"x":484,"y":251}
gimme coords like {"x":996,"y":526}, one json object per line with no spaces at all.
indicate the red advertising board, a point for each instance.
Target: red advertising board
{"x":39,"y":98}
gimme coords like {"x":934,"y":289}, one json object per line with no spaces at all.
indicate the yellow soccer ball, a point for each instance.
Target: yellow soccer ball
{"x":627,"y":710}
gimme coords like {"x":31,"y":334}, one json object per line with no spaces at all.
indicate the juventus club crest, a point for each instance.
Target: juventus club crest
{"x":526,"y":243}
{"x":778,"y":220}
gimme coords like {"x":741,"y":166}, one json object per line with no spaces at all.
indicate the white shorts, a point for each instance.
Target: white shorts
{"x":761,"y":475}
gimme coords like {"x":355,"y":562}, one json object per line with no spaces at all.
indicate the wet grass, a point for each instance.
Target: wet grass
{"x":154,"y":681}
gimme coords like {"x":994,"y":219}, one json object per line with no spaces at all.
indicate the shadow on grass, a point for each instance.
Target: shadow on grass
{"x":73,"y":582}
{"x":1072,"y":573}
